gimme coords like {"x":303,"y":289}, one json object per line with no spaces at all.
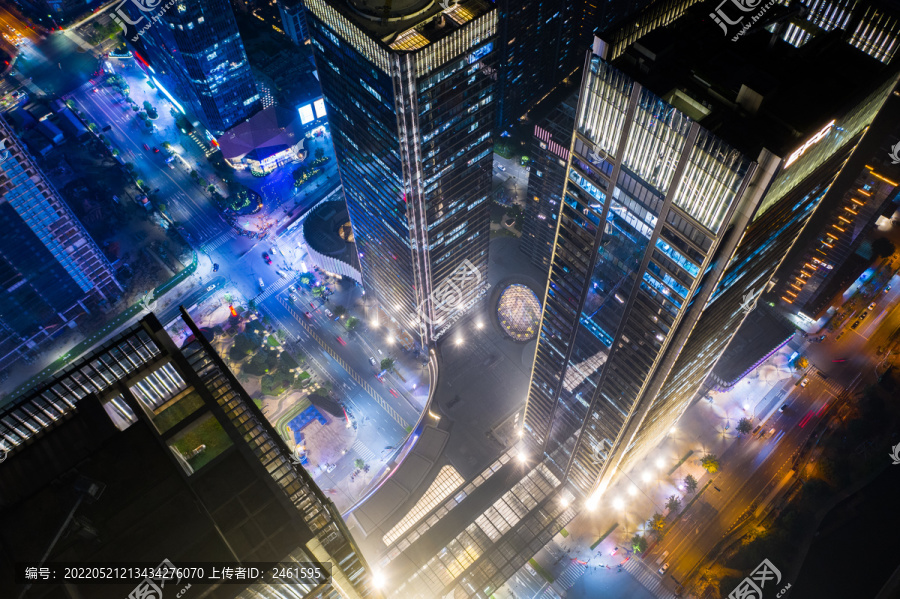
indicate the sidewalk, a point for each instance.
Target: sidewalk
{"x":706,"y":427}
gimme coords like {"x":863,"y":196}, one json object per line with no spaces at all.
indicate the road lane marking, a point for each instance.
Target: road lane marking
{"x":353,"y":374}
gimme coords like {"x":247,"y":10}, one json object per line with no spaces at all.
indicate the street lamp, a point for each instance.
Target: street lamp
{"x":459,"y":340}
{"x":479,"y":325}
{"x":618,"y":503}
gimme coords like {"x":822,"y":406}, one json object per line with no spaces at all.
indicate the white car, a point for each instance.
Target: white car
{"x":804,"y":382}
{"x":274,"y":251}
{"x":262,"y":283}
{"x":871,"y":307}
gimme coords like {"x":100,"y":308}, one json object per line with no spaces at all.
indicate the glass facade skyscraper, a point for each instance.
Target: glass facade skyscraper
{"x":666,"y":238}
{"x":171,"y":460}
{"x":51,"y":270}
{"x":409,"y":89}
{"x":196,"y":52}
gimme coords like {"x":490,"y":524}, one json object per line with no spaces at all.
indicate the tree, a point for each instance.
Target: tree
{"x":339,"y":311}
{"x":690,"y":483}
{"x":638,"y":544}
{"x":657,"y":524}
{"x":801,"y":363}
{"x":744,"y":426}
{"x":710,"y":462}
{"x":388,"y":364}
{"x":673,"y":503}
{"x":352,"y":323}
{"x":320,"y":153}
{"x":359,"y":463}
{"x":318,"y":291}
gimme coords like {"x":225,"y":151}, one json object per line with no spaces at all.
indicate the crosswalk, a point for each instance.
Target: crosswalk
{"x":832,"y":386}
{"x":570,"y":576}
{"x":364,"y":453}
{"x":353,"y":374}
{"x":214,"y":243}
{"x":272,"y":289}
{"x":648,"y":577}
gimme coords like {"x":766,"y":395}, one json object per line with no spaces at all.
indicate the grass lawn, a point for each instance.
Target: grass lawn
{"x":272,"y":341}
{"x":537,"y":568}
{"x":176,"y":412}
{"x":207,"y":431}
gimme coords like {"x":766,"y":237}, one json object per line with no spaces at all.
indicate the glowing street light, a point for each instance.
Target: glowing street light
{"x":459,"y":340}
{"x":479,"y":325}
{"x":390,"y":339}
{"x":564,"y":502}
{"x":618,"y":503}
{"x":378,"y":580}
{"x":632,"y":491}
{"x":660,"y":463}
{"x":523,"y":457}
{"x":646,"y":477}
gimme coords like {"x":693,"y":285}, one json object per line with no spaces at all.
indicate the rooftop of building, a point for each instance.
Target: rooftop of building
{"x":410,"y":24}
{"x":763,"y":331}
{"x":754,"y":90}
{"x":266,"y":133}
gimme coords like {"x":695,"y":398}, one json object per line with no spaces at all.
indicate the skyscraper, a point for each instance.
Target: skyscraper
{"x":195,"y":51}
{"x":669,"y":234}
{"x":292,"y":19}
{"x":144,"y":452}
{"x":409,"y":88}
{"x":51,"y":271}
{"x":549,"y":156}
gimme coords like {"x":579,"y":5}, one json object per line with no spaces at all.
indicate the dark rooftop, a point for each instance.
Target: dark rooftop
{"x":757,"y":91}
{"x":386,"y":20}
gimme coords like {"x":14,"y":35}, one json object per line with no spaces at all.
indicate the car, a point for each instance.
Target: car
{"x":662,"y":558}
{"x":854,"y":325}
{"x":665,"y":567}
{"x":331,"y":467}
{"x":341,"y":341}
{"x":107,"y":128}
{"x":155,"y":150}
{"x":146,"y":147}
{"x":262,"y":283}
{"x":215,"y":267}
{"x":308,"y":315}
{"x":274,"y":251}
{"x":888,"y":288}
{"x":291,"y":288}
{"x":871,"y":306}
{"x":394,"y":393}
{"x":782,"y":408}
{"x":328,"y":313}
{"x":266,"y":258}
{"x":373,"y":361}
{"x":804,"y":382}
{"x":863,"y":315}
{"x":822,"y":338}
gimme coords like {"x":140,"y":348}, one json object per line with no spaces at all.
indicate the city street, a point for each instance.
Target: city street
{"x":752,"y":466}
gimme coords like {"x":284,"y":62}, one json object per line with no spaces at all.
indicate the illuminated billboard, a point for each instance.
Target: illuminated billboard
{"x":320,"y":108}
{"x":306,"y":114}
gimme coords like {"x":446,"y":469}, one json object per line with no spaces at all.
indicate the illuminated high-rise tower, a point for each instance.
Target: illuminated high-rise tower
{"x":51,"y":270}
{"x":668,"y":234}
{"x":409,"y":88}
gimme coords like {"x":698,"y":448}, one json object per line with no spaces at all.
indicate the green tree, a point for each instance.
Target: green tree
{"x":352,"y":323}
{"x":710,"y":462}
{"x":657,"y":524}
{"x":882,"y":247}
{"x":638,"y":544}
{"x":744,"y":426}
{"x":339,"y":311}
{"x":690,"y":483}
{"x":673,"y":503}
{"x":318,"y":291}
{"x":359,"y":463}
{"x":388,"y":364}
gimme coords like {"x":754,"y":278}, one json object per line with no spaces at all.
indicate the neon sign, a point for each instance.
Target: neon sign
{"x":809,"y":143}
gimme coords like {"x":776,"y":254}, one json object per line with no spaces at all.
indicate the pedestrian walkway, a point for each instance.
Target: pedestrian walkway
{"x":648,"y":577}
{"x":833,"y":387}
{"x":364,"y":452}
{"x":272,"y":289}
{"x":570,"y":576}
{"x":214,"y":243}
